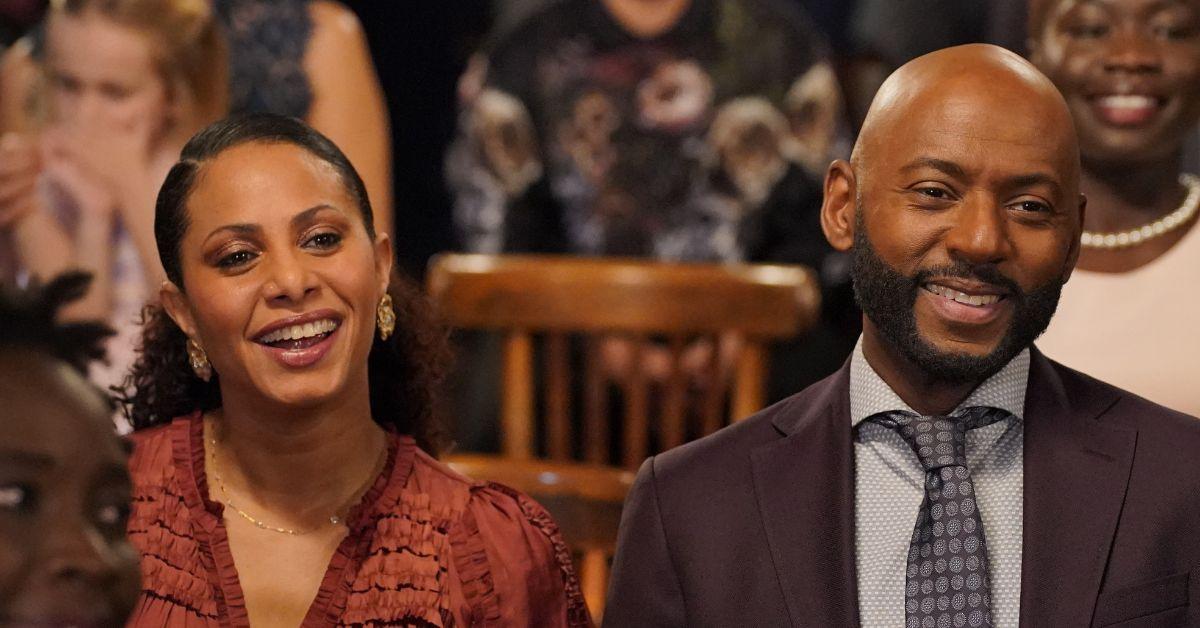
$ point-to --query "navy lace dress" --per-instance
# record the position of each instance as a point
(267, 40)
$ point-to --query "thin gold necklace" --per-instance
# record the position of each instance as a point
(334, 519)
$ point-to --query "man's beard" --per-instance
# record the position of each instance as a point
(888, 298)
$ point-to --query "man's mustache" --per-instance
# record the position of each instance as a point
(986, 273)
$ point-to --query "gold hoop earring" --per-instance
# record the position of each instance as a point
(385, 317)
(199, 360)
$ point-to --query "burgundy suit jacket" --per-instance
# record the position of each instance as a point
(754, 525)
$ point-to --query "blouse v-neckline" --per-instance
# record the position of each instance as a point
(382, 497)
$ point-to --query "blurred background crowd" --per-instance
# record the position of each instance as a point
(429, 61)
(672, 130)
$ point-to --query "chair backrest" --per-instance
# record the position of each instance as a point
(584, 499)
(524, 295)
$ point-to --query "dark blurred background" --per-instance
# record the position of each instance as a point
(421, 49)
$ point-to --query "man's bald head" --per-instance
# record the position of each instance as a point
(953, 83)
(962, 209)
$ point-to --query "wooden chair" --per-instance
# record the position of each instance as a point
(584, 499)
(557, 296)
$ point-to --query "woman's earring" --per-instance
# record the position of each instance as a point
(199, 360)
(385, 317)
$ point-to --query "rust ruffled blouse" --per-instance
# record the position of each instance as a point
(426, 546)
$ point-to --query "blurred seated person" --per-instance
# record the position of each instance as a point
(1130, 72)
(124, 84)
(284, 406)
(674, 129)
(64, 490)
(303, 58)
(680, 130)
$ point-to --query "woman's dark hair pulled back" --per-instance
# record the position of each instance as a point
(405, 372)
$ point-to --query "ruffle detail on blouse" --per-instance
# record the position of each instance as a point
(475, 572)
(160, 527)
(426, 547)
(206, 514)
(577, 612)
(402, 577)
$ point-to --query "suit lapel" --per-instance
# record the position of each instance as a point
(1076, 472)
(804, 484)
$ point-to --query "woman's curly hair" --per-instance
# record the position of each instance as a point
(406, 372)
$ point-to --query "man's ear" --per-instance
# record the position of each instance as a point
(176, 305)
(1076, 243)
(839, 205)
(384, 258)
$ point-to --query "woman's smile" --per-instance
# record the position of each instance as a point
(300, 341)
(1127, 110)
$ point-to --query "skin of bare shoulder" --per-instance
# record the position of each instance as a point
(348, 102)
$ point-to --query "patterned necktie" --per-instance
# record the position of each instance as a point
(947, 581)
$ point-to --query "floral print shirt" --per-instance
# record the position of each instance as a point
(703, 143)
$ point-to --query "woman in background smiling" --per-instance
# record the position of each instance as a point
(1130, 73)
(283, 407)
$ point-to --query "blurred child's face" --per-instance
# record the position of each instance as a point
(64, 501)
(102, 74)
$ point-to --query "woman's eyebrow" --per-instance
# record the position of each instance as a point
(306, 216)
(244, 229)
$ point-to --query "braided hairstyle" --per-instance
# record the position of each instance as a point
(29, 321)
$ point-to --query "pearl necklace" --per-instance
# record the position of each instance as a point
(334, 519)
(1164, 225)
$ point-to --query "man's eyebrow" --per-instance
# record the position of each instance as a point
(1032, 179)
(26, 458)
(947, 167)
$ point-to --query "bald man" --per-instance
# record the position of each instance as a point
(949, 474)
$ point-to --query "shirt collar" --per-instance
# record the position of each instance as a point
(869, 394)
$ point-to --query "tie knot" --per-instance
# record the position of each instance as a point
(939, 441)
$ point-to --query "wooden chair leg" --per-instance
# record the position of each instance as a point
(594, 581)
(558, 397)
(637, 422)
(672, 430)
(517, 412)
(595, 416)
(748, 396)
(712, 409)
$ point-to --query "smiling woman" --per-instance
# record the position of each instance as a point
(284, 405)
(1130, 73)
